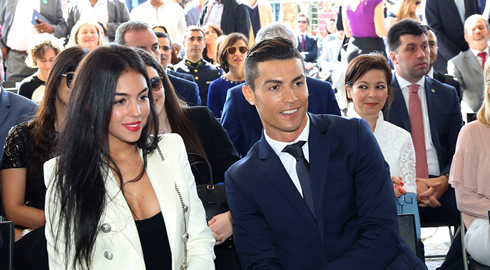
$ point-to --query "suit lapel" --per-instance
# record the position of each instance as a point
(473, 62)
(399, 105)
(433, 107)
(274, 171)
(319, 152)
(4, 105)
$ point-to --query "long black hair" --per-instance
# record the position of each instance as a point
(85, 160)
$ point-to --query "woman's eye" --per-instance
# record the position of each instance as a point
(119, 102)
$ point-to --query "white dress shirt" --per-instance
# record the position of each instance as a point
(287, 160)
(478, 58)
(432, 160)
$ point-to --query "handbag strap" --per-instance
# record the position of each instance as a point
(185, 208)
(203, 161)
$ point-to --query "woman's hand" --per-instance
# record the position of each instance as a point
(398, 186)
(221, 225)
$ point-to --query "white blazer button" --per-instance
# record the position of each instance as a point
(186, 208)
(105, 227)
(108, 255)
(185, 237)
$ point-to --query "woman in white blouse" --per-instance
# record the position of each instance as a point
(368, 85)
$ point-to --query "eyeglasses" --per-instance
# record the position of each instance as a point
(417, 3)
(302, 22)
(156, 83)
(241, 49)
(69, 78)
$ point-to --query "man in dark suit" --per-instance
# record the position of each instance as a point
(307, 45)
(241, 120)
(14, 109)
(315, 191)
(430, 111)
(447, 18)
(140, 34)
(203, 71)
(230, 15)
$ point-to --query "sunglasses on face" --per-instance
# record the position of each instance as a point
(156, 83)
(301, 22)
(241, 49)
(417, 3)
(69, 78)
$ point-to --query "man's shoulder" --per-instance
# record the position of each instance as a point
(17, 102)
(459, 58)
(180, 81)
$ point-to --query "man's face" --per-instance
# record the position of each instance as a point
(331, 27)
(411, 61)
(144, 39)
(194, 45)
(301, 24)
(165, 51)
(281, 98)
(432, 47)
(477, 35)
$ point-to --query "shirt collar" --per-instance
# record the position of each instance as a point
(278, 146)
(404, 83)
(476, 52)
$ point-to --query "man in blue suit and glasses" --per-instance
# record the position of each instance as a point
(315, 191)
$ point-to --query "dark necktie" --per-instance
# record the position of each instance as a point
(303, 48)
(483, 56)
(303, 171)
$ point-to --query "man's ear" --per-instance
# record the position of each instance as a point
(249, 95)
(393, 58)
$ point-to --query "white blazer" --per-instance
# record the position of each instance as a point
(118, 245)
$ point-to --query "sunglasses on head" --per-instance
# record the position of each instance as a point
(156, 83)
(417, 3)
(69, 78)
(232, 50)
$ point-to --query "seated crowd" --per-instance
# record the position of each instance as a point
(316, 135)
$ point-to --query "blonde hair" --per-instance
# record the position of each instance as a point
(38, 47)
(484, 113)
(402, 10)
(74, 32)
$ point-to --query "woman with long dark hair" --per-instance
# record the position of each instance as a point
(119, 195)
(32, 143)
(202, 134)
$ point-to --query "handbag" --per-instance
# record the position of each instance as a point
(213, 196)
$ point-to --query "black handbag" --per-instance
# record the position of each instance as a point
(213, 196)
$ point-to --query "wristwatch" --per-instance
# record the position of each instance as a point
(446, 174)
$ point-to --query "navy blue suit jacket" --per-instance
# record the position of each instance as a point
(184, 76)
(242, 122)
(311, 48)
(444, 117)
(14, 109)
(186, 90)
(356, 224)
(443, 18)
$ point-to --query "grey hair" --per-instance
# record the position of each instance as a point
(130, 25)
(277, 29)
(473, 18)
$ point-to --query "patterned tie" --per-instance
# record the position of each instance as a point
(303, 43)
(418, 135)
(483, 56)
(303, 170)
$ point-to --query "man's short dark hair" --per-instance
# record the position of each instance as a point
(163, 35)
(268, 50)
(130, 25)
(401, 28)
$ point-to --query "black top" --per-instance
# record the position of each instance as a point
(215, 141)
(16, 155)
(154, 242)
(29, 85)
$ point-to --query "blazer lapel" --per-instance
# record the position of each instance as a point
(400, 106)
(319, 152)
(4, 105)
(274, 171)
(119, 215)
(433, 107)
(473, 62)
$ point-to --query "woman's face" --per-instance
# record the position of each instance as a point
(130, 110)
(64, 91)
(210, 36)
(369, 93)
(45, 62)
(157, 87)
(88, 37)
(237, 59)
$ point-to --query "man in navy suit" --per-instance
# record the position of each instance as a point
(331, 206)
(14, 109)
(307, 45)
(139, 34)
(240, 119)
(446, 18)
(440, 117)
